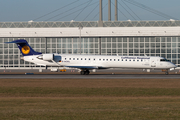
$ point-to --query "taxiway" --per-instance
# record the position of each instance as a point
(91, 76)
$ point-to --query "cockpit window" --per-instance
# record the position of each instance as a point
(164, 60)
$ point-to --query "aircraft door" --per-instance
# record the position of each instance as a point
(153, 63)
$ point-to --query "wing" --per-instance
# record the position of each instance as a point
(87, 67)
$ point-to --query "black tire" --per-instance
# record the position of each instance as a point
(82, 72)
(167, 73)
(87, 72)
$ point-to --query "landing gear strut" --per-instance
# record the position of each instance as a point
(85, 72)
(166, 73)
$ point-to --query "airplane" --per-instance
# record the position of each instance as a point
(89, 62)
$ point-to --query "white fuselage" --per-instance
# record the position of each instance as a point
(101, 61)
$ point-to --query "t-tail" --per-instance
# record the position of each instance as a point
(24, 47)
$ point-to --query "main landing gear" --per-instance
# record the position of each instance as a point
(84, 72)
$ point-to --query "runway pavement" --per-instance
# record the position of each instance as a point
(91, 76)
(101, 74)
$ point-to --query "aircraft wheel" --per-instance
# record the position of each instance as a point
(87, 72)
(167, 73)
(82, 72)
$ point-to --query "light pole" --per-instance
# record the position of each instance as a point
(80, 28)
(116, 12)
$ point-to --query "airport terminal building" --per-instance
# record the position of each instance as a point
(151, 38)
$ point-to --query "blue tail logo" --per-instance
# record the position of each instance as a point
(24, 47)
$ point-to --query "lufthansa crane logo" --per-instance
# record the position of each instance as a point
(25, 49)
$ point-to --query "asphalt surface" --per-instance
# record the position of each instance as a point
(101, 74)
(91, 76)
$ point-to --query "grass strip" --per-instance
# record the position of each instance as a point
(90, 108)
(86, 92)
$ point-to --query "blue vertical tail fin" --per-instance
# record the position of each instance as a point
(24, 47)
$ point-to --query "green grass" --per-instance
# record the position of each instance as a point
(101, 99)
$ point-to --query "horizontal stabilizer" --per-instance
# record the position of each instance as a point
(17, 41)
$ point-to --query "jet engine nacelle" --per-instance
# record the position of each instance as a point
(46, 57)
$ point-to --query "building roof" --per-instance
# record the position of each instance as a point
(32, 24)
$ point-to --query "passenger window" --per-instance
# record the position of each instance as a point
(89, 59)
(110, 59)
(94, 59)
(129, 60)
(77, 58)
(65, 58)
(81, 59)
(118, 59)
(69, 58)
(106, 59)
(126, 60)
(99, 59)
(103, 59)
(133, 60)
(85, 59)
(73, 58)
(114, 59)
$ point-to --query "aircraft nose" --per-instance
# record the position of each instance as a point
(173, 65)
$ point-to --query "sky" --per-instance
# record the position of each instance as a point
(86, 10)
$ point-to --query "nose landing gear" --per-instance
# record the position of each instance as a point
(167, 73)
